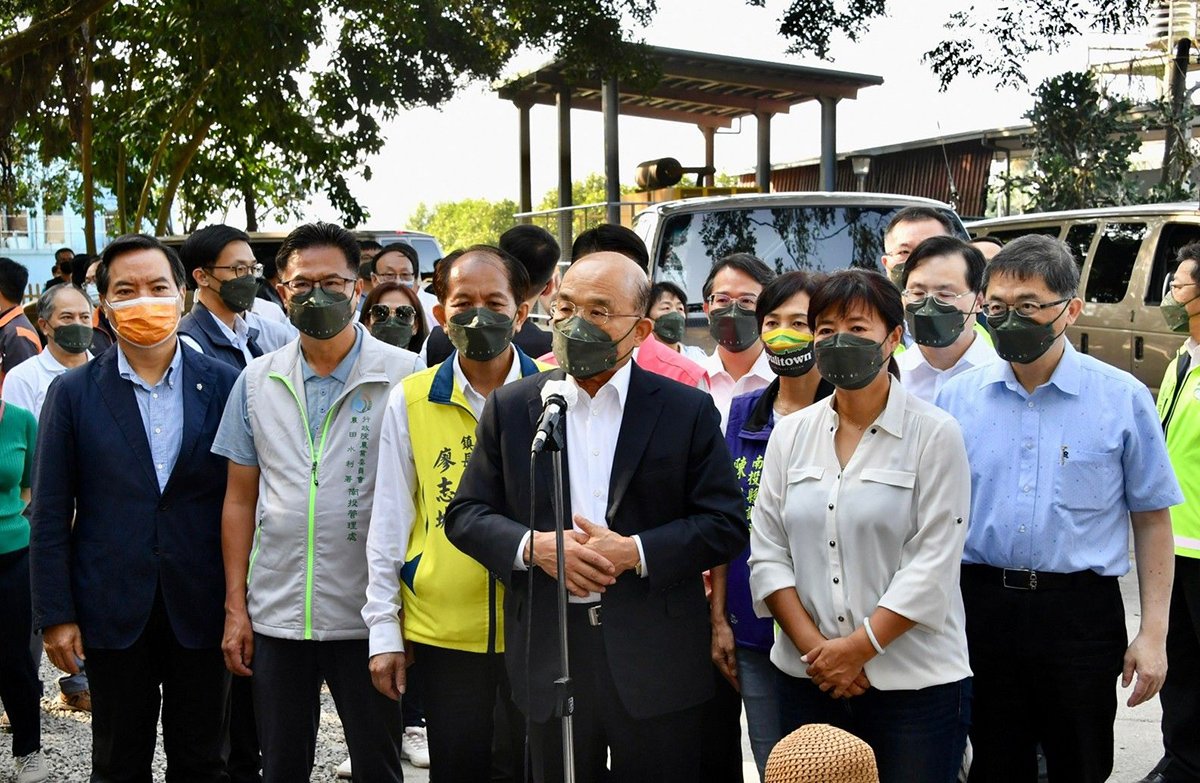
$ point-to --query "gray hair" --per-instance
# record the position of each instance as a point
(45, 302)
(1036, 256)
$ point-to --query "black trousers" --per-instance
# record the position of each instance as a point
(287, 707)
(1180, 694)
(662, 749)
(243, 759)
(1045, 664)
(460, 691)
(126, 698)
(20, 689)
(721, 753)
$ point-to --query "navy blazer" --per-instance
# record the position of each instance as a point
(201, 326)
(103, 538)
(672, 484)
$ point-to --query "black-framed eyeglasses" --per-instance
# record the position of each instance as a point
(330, 285)
(241, 270)
(561, 310)
(1028, 308)
(404, 313)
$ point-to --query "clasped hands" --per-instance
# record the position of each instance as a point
(594, 556)
(836, 665)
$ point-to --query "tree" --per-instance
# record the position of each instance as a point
(589, 190)
(1083, 139)
(459, 224)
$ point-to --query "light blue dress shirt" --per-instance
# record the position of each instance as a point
(235, 438)
(1055, 473)
(161, 407)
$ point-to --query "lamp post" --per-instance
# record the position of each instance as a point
(862, 167)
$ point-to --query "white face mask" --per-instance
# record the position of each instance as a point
(93, 294)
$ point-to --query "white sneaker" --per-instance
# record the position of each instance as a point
(415, 747)
(32, 768)
(343, 770)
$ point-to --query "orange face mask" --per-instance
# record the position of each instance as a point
(148, 321)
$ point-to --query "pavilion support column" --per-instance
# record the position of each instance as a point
(763, 170)
(526, 203)
(610, 107)
(828, 142)
(710, 137)
(563, 104)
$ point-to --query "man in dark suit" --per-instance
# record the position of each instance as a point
(125, 545)
(654, 504)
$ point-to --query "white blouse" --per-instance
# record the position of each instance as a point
(888, 531)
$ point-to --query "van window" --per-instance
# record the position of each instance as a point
(1009, 234)
(812, 238)
(1172, 238)
(1112, 263)
(1079, 239)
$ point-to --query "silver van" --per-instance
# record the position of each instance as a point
(1125, 256)
(819, 232)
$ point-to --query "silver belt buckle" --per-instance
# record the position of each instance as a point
(594, 615)
(1030, 579)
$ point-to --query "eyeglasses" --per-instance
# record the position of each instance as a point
(241, 270)
(747, 302)
(1180, 286)
(392, 277)
(994, 309)
(330, 285)
(404, 313)
(561, 310)
(948, 298)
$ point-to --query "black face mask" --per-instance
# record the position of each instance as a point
(480, 334)
(1021, 339)
(670, 327)
(238, 294)
(73, 338)
(934, 324)
(848, 361)
(319, 314)
(733, 327)
(584, 349)
(393, 331)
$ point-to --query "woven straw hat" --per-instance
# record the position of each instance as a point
(820, 753)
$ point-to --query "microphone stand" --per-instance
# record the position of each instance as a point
(563, 689)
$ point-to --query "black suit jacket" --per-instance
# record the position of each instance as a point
(672, 484)
(103, 537)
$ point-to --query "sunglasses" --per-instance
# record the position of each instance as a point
(404, 313)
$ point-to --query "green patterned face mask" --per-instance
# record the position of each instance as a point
(480, 334)
(734, 327)
(584, 349)
(670, 327)
(319, 314)
(848, 361)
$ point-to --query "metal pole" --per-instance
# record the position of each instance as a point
(563, 104)
(610, 107)
(567, 702)
(763, 173)
(526, 160)
(828, 142)
(1175, 131)
(710, 137)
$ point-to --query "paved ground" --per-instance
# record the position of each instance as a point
(67, 735)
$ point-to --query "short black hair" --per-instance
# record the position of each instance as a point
(404, 249)
(518, 278)
(13, 279)
(846, 289)
(947, 246)
(783, 288)
(743, 262)
(129, 243)
(318, 234)
(917, 214)
(661, 288)
(79, 267)
(369, 244)
(536, 248)
(991, 240)
(60, 251)
(1037, 256)
(612, 238)
(1189, 252)
(201, 249)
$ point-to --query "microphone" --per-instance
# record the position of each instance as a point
(557, 396)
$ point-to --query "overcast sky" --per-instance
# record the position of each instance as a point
(468, 147)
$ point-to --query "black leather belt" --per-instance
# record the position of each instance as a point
(1029, 580)
(590, 612)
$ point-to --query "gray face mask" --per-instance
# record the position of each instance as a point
(73, 338)
(480, 334)
(584, 349)
(320, 315)
(848, 361)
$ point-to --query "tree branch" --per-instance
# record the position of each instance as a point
(51, 28)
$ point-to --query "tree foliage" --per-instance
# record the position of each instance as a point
(471, 221)
(1083, 140)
